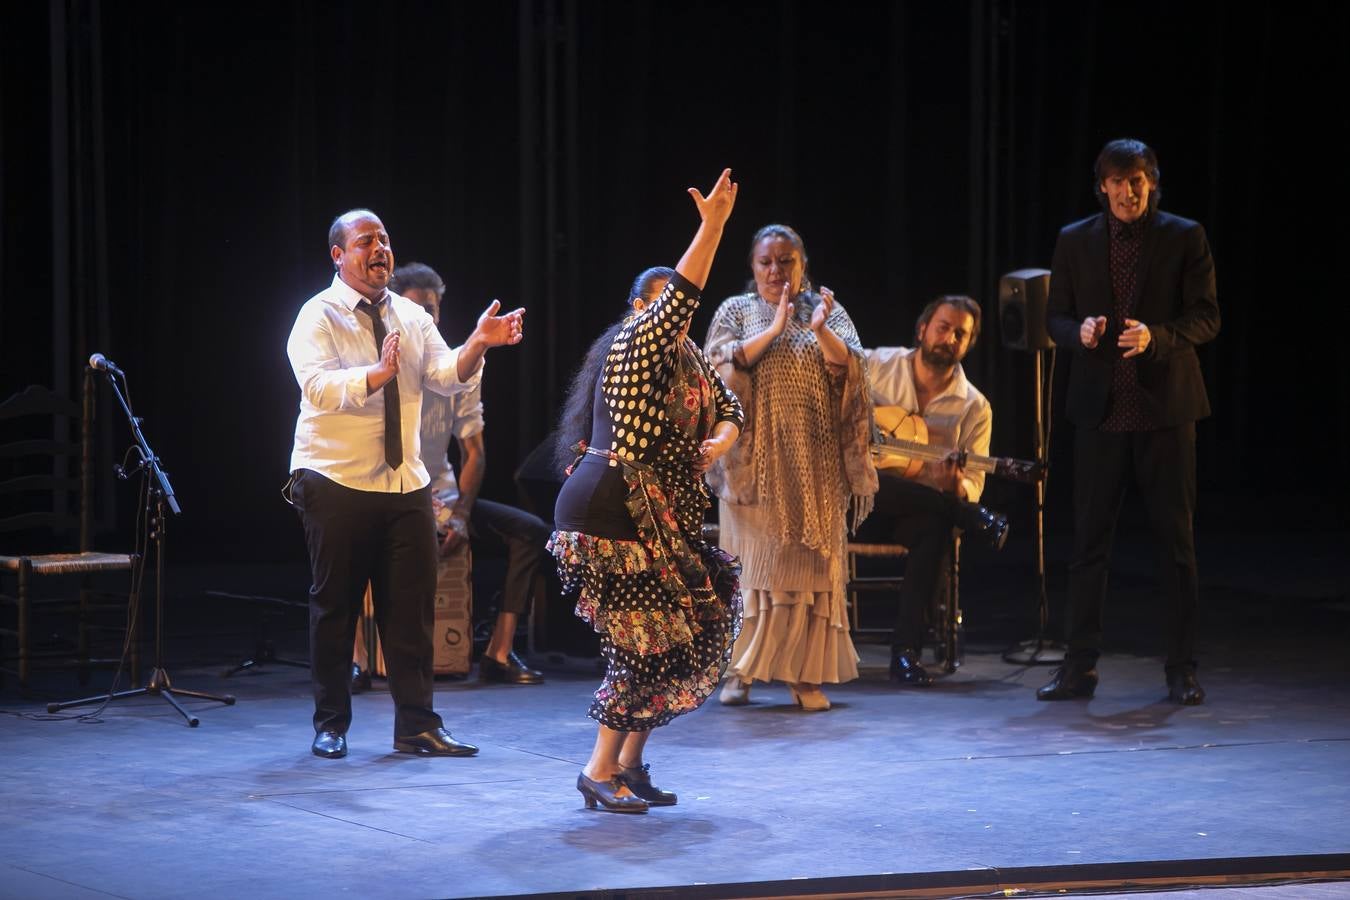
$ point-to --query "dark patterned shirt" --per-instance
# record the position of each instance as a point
(1127, 407)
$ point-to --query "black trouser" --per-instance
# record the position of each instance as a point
(1162, 464)
(388, 540)
(922, 519)
(524, 536)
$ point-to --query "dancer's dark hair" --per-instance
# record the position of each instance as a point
(574, 423)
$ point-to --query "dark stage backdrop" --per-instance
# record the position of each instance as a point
(170, 169)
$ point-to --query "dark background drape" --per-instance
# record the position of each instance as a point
(168, 172)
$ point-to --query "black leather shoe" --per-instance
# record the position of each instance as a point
(436, 742)
(360, 679)
(1070, 682)
(639, 781)
(614, 795)
(329, 745)
(905, 669)
(984, 525)
(1183, 688)
(513, 671)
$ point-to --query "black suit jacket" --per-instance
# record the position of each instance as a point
(1177, 301)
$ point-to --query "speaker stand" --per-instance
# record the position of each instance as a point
(1039, 650)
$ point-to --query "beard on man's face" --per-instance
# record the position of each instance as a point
(939, 356)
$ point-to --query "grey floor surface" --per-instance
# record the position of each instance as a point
(971, 775)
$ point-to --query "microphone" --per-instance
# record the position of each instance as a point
(103, 364)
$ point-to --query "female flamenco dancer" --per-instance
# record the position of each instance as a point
(794, 357)
(629, 543)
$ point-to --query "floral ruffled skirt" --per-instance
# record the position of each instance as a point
(664, 653)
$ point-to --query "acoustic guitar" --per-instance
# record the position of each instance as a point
(900, 441)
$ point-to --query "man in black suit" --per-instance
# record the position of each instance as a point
(1132, 294)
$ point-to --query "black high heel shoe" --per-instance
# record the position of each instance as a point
(639, 781)
(614, 795)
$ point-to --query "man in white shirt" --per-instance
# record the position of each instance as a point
(463, 515)
(362, 357)
(928, 381)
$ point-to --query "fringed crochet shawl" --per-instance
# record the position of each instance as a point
(804, 449)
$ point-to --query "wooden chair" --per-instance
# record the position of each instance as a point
(46, 476)
(946, 631)
(887, 584)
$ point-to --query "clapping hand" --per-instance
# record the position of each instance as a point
(385, 369)
(716, 207)
(1091, 330)
(783, 310)
(389, 352)
(1135, 339)
(821, 314)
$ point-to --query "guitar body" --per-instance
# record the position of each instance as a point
(894, 422)
(900, 442)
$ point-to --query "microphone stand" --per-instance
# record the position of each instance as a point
(159, 493)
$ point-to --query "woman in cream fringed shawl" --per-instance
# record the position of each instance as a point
(798, 474)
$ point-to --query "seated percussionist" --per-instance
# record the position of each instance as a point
(461, 515)
(920, 511)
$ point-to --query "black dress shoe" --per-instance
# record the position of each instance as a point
(436, 742)
(329, 745)
(984, 525)
(513, 671)
(360, 679)
(1183, 688)
(614, 795)
(905, 669)
(639, 781)
(1070, 682)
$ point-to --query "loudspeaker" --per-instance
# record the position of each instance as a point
(1021, 309)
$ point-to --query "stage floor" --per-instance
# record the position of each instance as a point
(973, 776)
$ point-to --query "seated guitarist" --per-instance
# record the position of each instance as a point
(921, 511)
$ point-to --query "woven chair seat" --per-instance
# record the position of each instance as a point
(51, 479)
(65, 563)
(895, 550)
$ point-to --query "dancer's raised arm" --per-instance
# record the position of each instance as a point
(714, 211)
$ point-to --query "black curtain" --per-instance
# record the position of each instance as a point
(168, 172)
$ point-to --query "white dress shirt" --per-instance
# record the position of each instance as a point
(340, 430)
(443, 418)
(959, 418)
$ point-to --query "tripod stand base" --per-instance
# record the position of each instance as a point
(158, 685)
(1038, 651)
(265, 652)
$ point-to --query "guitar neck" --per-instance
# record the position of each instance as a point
(901, 447)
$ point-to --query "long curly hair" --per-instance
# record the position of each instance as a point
(574, 422)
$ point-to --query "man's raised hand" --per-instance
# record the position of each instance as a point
(498, 331)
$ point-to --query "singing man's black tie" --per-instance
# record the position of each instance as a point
(393, 422)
